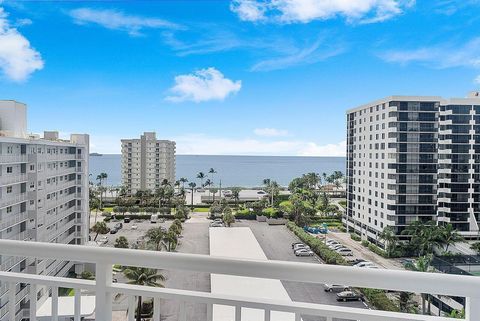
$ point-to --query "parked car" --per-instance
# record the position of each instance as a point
(217, 224)
(303, 252)
(336, 246)
(293, 244)
(134, 227)
(344, 252)
(153, 218)
(300, 246)
(126, 219)
(348, 296)
(118, 226)
(331, 242)
(364, 264)
(335, 288)
(103, 239)
(355, 261)
(113, 231)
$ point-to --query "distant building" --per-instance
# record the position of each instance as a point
(146, 162)
(413, 158)
(43, 196)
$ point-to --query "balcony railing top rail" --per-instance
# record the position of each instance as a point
(435, 283)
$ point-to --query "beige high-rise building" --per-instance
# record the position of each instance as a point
(146, 162)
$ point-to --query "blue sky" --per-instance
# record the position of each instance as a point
(270, 77)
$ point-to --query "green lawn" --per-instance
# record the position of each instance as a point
(201, 209)
(108, 209)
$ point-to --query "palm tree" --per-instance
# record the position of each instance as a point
(449, 236)
(236, 195)
(155, 236)
(422, 264)
(183, 180)
(100, 177)
(212, 171)
(100, 228)
(388, 235)
(476, 247)
(192, 187)
(145, 277)
(171, 239)
(201, 176)
(121, 242)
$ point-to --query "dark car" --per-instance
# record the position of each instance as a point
(355, 261)
(126, 220)
(118, 226)
(348, 296)
(113, 231)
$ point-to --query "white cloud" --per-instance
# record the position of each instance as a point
(117, 20)
(203, 85)
(302, 56)
(439, 56)
(477, 80)
(248, 10)
(200, 144)
(304, 11)
(313, 149)
(270, 132)
(17, 57)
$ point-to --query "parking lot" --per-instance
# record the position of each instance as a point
(275, 241)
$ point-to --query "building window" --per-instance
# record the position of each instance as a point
(9, 189)
(9, 169)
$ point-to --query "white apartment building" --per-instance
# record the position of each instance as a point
(413, 158)
(146, 162)
(43, 197)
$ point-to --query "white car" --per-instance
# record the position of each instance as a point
(335, 288)
(217, 224)
(134, 227)
(103, 240)
(303, 252)
(300, 246)
(336, 246)
(331, 242)
(344, 252)
(365, 264)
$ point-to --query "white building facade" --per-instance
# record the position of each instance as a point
(413, 158)
(147, 162)
(43, 196)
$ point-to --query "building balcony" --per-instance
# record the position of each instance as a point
(11, 159)
(240, 306)
(12, 200)
(14, 219)
(9, 179)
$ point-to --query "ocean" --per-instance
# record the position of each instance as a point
(245, 171)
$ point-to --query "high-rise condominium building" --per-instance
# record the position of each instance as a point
(43, 196)
(146, 162)
(413, 158)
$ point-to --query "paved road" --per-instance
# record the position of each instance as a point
(276, 243)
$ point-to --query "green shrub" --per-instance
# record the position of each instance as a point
(365, 243)
(317, 246)
(355, 237)
(245, 214)
(375, 249)
(271, 212)
(379, 299)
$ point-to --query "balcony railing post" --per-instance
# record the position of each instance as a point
(472, 309)
(33, 302)
(156, 309)
(54, 303)
(12, 288)
(103, 296)
(77, 310)
(131, 308)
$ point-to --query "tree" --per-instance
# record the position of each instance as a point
(201, 176)
(476, 247)
(183, 180)
(121, 242)
(236, 195)
(449, 236)
(422, 264)
(424, 236)
(406, 302)
(171, 238)
(182, 212)
(155, 237)
(192, 187)
(388, 235)
(145, 277)
(228, 217)
(100, 178)
(100, 228)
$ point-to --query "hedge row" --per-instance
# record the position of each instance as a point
(138, 217)
(376, 297)
(245, 215)
(379, 299)
(355, 237)
(317, 246)
(375, 249)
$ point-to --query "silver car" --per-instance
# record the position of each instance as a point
(335, 288)
(303, 252)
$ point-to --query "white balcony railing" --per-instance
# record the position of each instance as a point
(5, 159)
(104, 258)
(8, 179)
(14, 199)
